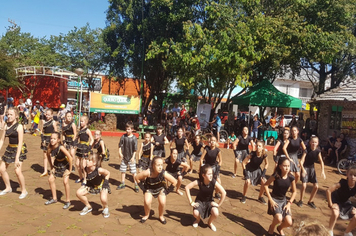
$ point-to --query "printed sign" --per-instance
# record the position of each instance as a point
(114, 104)
(348, 123)
(74, 85)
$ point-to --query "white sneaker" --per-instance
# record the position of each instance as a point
(348, 234)
(106, 213)
(85, 211)
(23, 195)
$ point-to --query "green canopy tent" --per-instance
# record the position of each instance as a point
(266, 95)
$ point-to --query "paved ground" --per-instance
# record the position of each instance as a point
(31, 217)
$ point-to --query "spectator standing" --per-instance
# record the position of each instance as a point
(313, 125)
(255, 125)
(273, 122)
(282, 124)
(216, 122)
(300, 122)
(293, 121)
(176, 108)
(10, 101)
(191, 112)
(182, 115)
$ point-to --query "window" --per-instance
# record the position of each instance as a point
(335, 118)
(305, 92)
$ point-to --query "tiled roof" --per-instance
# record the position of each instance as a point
(346, 91)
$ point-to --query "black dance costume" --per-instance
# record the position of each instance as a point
(61, 163)
(211, 159)
(48, 129)
(156, 185)
(341, 197)
(292, 149)
(173, 168)
(280, 188)
(159, 150)
(99, 149)
(205, 198)
(310, 159)
(11, 150)
(280, 151)
(242, 151)
(68, 133)
(83, 148)
(145, 159)
(180, 142)
(196, 153)
(253, 170)
(96, 182)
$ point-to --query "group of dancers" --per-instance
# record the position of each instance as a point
(60, 149)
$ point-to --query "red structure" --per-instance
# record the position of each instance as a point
(46, 89)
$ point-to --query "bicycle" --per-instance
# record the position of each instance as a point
(207, 133)
(344, 164)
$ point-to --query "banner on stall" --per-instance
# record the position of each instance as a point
(120, 104)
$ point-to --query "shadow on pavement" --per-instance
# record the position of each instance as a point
(254, 227)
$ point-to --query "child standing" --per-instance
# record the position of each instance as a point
(49, 126)
(102, 150)
(97, 181)
(278, 206)
(127, 153)
(196, 153)
(85, 142)
(15, 152)
(159, 140)
(62, 167)
(146, 153)
(173, 168)
(308, 174)
(253, 173)
(338, 201)
(69, 132)
(204, 205)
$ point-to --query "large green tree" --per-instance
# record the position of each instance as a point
(134, 25)
(83, 48)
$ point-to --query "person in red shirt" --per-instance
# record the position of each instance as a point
(196, 124)
(182, 115)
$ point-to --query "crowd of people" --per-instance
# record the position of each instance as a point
(70, 149)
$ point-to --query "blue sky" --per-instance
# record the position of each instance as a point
(43, 18)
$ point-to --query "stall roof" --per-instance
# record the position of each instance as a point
(346, 91)
(265, 94)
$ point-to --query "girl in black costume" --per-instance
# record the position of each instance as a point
(61, 167)
(278, 206)
(212, 156)
(181, 144)
(146, 153)
(15, 152)
(204, 205)
(97, 181)
(252, 171)
(174, 167)
(85, 142)
(290, 149)
(49, 126)
(154, 185)
(159, 140)
(99, 145)
(69, 132)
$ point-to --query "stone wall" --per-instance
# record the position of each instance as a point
(109, 125)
